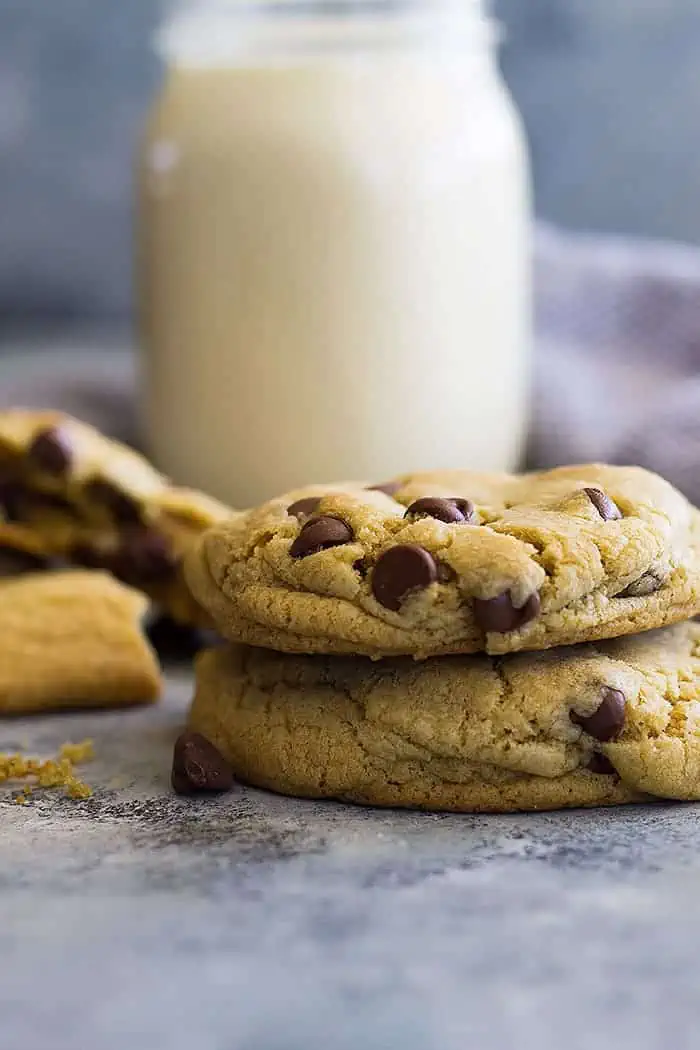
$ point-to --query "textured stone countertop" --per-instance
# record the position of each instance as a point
(138, 919)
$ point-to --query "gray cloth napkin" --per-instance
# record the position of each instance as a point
(617, 360)
(617, 363)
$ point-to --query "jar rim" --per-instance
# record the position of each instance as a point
(219, 32)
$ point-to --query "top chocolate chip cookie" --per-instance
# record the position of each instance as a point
(454, 562)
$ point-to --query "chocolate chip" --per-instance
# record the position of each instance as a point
(89, 557)
(50, 501)
(17, 563)
(143, 557)
(198, 766)
(304, 508)
(399, 572)
(451, 511)
(51, 451)
(608, 720)
(361, 568)
(389, 488)
(601, 765)
(648, 583)
(500, 615)
(11, 501)
(446, 573)
(608, 510)
(177, 641)
(319, 534)
(123, 507)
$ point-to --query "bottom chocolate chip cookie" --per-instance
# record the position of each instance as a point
(591, 725)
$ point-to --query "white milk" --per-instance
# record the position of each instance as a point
(334, 252)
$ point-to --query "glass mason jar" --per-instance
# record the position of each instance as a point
(334, 246)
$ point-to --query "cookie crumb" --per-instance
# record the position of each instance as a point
(78, 753)
(78, 789)
(58, 772)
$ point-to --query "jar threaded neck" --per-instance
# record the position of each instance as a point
(213, 32)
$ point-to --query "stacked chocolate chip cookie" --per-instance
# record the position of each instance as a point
(429, 642)
(449, 640)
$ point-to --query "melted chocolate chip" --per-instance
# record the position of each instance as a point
(50, 501)
(199, 767)
(17, 563)
(608, 510)
(319, 534)
(90, 557)
(11, 501)
(499, 615)
(608, 720)
(123, 507)
(51, 451)
(304, 508)
(143, 557)
(399, 572)
(451, 511)
(389, 488)
(601, 765)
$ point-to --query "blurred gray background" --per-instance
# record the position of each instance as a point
(609, 89)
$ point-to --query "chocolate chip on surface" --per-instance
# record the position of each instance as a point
(608, 720)
(601, 765)
(499, 615)
(51, 451)
(319, 534)
(451, 511)
(400, 571)
(143, 557)
(389, 488)
(607, 508)
(304, 508)
(123, 507)
(199, 767)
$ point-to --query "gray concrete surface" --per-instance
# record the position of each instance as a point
(138, 919)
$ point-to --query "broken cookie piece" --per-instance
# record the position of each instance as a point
(67, 491)
(73, 639)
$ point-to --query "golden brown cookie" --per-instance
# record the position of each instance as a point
(73, 639)
(591, 725)
(67, 491)
(443, 563)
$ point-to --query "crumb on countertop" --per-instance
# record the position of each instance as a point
(57, 772)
